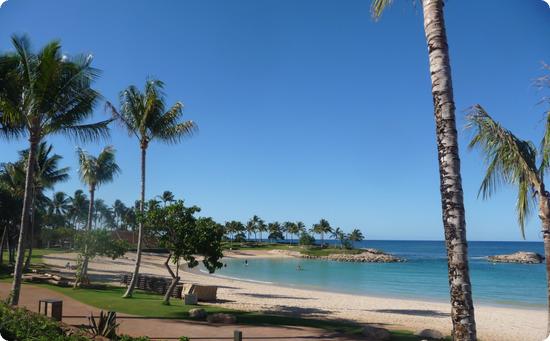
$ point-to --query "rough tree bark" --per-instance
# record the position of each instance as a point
(31, 231)
(133, 282)
(454, 222)
(544, 215)
(25, 219)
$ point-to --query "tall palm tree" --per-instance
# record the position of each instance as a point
(46, 174)
(454, 220)
(517, 162)
(356, 236)
(78, 207)
(339, 235)
(144, 115)
(321, 228)
(166, 197)
(60, 204)
(94, 172)
(256, 221)
(42, 94)
(250, 228)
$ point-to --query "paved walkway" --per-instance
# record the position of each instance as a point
(75, 313)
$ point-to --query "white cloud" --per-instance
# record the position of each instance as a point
(2, 2)
(547, 2)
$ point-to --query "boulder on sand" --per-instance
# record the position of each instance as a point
(518, 257)
(375, 333)
(430, 334)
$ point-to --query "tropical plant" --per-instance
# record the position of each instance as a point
(232, 228)
(105, 325)
(511, 160)
(454, 220)
(339, 235)
(144, 115)
(321, 228)
(78, 211)
(42, 94)
(306, 239)
(261, 226)
(94, 172)
(250, 228)
(356, 236)
(166, 197)
(275, 231)
(46, 174)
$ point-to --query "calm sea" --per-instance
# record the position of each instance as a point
(424, 275)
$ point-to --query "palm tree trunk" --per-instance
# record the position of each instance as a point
(18, 270)
(31, 232)
(454, 222)
(133, 282)
(544, 214)
(83, 277)
(2, 243)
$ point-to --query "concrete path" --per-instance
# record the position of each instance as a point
(75, 313)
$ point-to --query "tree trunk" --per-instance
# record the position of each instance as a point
(454, 222)
(175, 280)
(83, 277)
(29, 179)
(2, 243)
(544, 214)
(31, 232)
(135, 275)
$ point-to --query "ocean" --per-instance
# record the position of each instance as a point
(422, 276)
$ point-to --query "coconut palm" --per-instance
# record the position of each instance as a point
(166, 197)
(46, 174)
(94, 172)
(339, 235)
(250, 228)
(144, 115)
(60, 204)
(79, 204)
(256, 221)
(322, 228)
(516, 162)
(41, 94)
(454, 221)
(356, 236)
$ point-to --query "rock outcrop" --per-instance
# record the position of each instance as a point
(366, 256)
(430, 334)
(518, 257)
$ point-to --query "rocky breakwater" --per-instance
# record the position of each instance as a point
(365, 256)
(518, 257)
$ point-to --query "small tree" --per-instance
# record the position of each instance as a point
(356, 236)
(93, 243)
(185, 237)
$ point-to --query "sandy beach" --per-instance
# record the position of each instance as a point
(493, 323)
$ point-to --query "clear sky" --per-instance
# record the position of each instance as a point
(307, 109)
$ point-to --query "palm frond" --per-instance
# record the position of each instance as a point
(545, 147)
(510, 160)
(86, 132)
(378, 6)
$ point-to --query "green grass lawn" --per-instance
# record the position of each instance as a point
(150, 305)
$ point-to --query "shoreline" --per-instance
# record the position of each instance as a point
(493, 323)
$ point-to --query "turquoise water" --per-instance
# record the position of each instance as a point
(424, 275)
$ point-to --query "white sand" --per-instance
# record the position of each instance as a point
(493, 323)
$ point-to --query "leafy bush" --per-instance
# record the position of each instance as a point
(131, 338)
(307, 239)
(21, 324)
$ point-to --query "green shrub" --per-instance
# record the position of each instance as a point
(21, 324)
(131, 338)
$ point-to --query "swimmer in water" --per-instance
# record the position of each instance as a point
(299, 268)
(246, 262)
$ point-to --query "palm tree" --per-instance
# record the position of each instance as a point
(339, 234)
(262, 227)
(166, 197)
(454, 220)
(356, 236)
(46, 174)
(250, 228)
(78, 206)
(42, 94)
(256, 221)
(517, 162)
(321, 229)
(144, 115)
(60, 204)
(94, 172)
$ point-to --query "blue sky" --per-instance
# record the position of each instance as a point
(306, 109)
